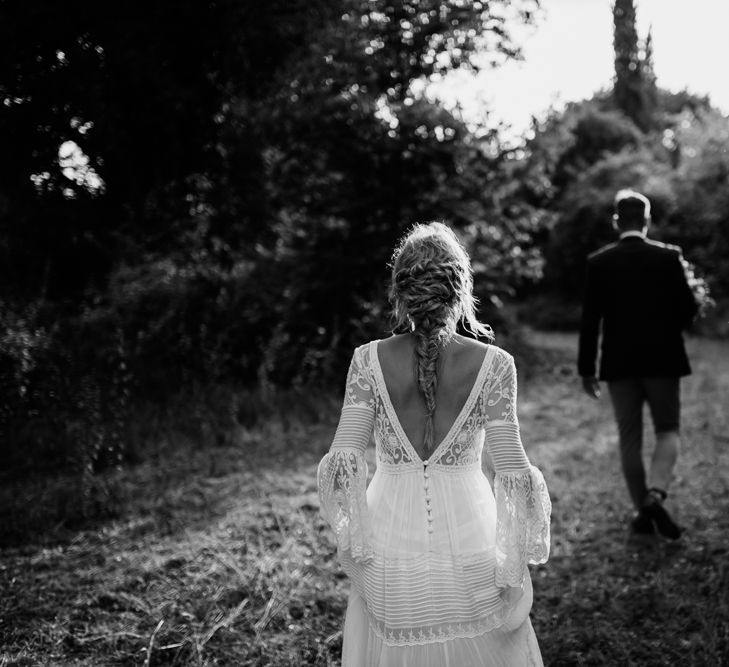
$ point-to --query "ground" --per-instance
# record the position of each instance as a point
(217, 555)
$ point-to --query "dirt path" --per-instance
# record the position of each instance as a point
(217, 560)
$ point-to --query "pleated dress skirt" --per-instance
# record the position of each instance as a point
(514, 644)
(429, 598)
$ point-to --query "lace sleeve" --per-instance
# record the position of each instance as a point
(342, 473)
(523, 507)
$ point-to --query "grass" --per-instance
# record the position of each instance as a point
(601, 599)
(215, 554)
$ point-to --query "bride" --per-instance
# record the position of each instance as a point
(437, 546)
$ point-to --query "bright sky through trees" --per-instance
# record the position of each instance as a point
(569, 55)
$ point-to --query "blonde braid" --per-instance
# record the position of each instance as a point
(431, 290)
(427, 353)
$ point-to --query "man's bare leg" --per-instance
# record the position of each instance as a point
(664, 459)
(659, 478)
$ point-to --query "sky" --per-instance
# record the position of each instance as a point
(690, 51)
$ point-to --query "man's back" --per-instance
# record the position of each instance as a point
(638, 290)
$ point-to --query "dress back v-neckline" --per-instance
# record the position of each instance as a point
(395, 419)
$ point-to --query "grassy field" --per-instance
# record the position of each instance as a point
(217, 556)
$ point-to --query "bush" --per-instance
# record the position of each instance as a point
(65, 388)
(586, 209)
(551, 312)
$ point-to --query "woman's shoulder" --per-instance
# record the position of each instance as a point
(478, 348)
(501, 353)
(475, 352)
(394, 340)
(364, 353)
(471, 343)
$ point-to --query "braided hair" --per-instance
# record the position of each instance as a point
(430, 292)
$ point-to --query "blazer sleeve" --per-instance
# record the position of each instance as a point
(589, 324)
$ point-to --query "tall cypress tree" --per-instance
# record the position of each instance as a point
(649, 76)
(632, 91)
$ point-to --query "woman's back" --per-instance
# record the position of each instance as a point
(458, 367)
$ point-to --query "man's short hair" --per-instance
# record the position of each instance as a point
(631, 208)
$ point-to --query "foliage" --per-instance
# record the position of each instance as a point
(671, 146)
(355, 157)
(578, 158)
(587, 207)
(182, 199)
(635, 90)
(596, 134)
(209, 192)
(66, 390)
(701, 218)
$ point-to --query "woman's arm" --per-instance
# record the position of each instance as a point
(523, 507)
(342, 473)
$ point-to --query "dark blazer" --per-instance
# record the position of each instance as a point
(637, 289)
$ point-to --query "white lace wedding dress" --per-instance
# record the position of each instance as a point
(437, 560)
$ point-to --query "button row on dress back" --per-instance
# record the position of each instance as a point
(426, 476)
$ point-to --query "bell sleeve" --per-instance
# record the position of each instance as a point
(342, 473)
(523, 507)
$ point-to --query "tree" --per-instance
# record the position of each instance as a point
(262, 158)
(355, 156)
(634, 89)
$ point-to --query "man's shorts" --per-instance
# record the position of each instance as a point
(663, 396)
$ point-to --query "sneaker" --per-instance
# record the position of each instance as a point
(653, 509)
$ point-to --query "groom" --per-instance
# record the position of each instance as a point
(637, 290)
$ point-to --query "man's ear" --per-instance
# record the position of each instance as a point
(615, 222)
